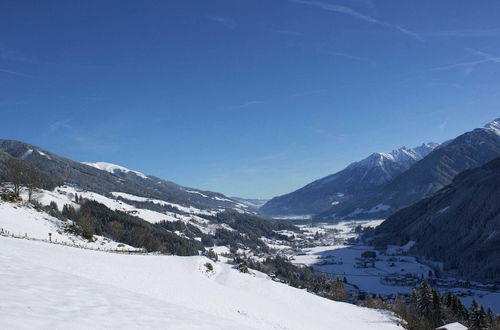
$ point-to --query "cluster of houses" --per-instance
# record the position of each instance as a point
(329, 260)
(407, 279)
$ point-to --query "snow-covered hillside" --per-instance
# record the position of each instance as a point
(189, 196)
(24, 221)
(51, 286)
(113, 168)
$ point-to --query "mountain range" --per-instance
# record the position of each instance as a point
(105, 178)
(352, 182)
(382, 183)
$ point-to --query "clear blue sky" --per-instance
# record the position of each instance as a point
(252, 98)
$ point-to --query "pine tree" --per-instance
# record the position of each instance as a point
(458, 309)
(425, 300)
(477, 316)
(437, 313)
(490, 317)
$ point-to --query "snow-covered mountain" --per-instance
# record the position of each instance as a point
(493, 127)
(428, 175)
(105, 178)
(357, 178)
(114, 169)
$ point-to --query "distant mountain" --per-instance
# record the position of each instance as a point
(458, 225)
(355, 180)
(105, 178)
(425, 177)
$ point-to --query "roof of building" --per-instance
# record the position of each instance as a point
(452, 326)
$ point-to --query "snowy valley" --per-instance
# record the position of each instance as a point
(109, 241)
(106, 284)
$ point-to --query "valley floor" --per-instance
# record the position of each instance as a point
(52, 286)
(389, 275)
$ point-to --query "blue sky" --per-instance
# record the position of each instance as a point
(253, 98)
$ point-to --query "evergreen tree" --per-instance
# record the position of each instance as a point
(477, 316)
(425, 300)
(437, 313)
(490, 318)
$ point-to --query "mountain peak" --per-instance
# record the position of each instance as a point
(401, 155)
(494, 126)
(426, 148)
(113, 168)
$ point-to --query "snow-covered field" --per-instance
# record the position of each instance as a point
(48, 286)
(367, 279)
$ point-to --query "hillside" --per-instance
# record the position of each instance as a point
(47, 286)
(355, 180)
(433, 172)
(104, 178)
(458, 225)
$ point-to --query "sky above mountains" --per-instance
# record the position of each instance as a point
(253, 98)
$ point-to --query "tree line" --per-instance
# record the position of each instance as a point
(428, 309)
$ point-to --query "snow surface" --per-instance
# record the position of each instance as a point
(43, 154)
(196, 193)
(453, 326)
(24, 221)
(187, 209)
(112, 168)
(27, 153)
(113, 204)
(47, 286)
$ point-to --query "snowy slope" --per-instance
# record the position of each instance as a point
(51, 286)
(494, 126)
(210, 200)
(185, 209)
(24, 221)
(112, 168)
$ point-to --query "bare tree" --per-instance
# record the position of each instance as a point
(32, 180)
(15, 174)
(23, 174)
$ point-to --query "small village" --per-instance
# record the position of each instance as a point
(335, 251)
